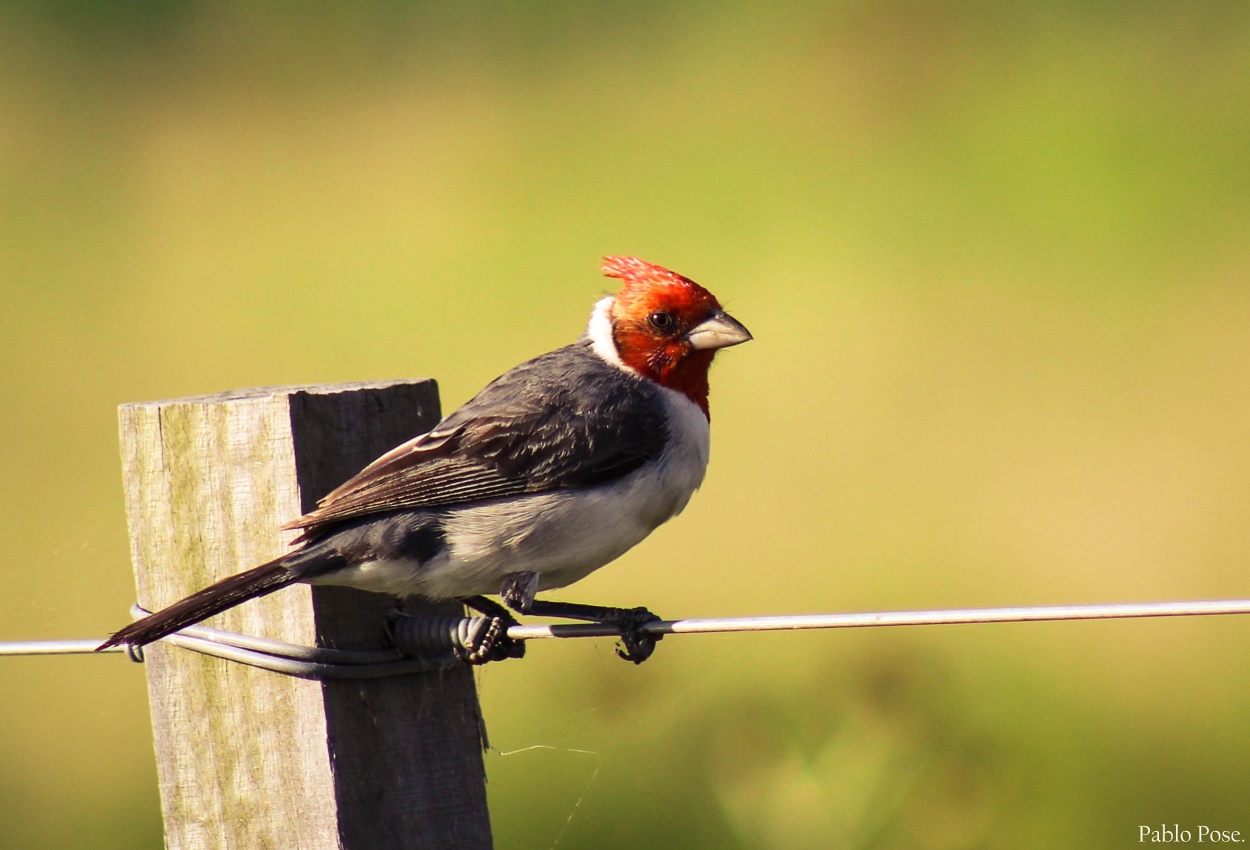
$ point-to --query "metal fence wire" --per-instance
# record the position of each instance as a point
(320, 662)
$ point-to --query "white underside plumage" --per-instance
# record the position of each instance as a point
(562, 536)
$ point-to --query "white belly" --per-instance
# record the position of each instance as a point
(563, 536)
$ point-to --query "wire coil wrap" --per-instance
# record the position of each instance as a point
(426, 636)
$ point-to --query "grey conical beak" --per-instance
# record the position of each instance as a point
(720, 330)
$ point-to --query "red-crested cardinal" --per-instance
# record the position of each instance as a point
(551, 471)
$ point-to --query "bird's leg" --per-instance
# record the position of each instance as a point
(492, 644)
(518, 592)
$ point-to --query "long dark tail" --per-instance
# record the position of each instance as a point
(203, 604)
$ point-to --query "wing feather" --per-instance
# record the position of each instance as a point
(566, 419)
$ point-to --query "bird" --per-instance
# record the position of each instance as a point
(554, 469)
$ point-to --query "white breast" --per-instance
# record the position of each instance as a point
(562, 536)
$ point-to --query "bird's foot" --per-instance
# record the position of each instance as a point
(636, 645)
(487, 640)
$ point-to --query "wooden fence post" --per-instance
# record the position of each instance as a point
(249, 758)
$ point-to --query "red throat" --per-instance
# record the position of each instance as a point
(689, 377)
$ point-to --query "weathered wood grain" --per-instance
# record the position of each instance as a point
(253, 759)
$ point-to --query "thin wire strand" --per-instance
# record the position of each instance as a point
(55, 647)
(956, 616)
(797, 622)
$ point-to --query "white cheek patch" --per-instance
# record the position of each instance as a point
(600, 333)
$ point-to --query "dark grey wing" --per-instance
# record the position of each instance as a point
(563, 420)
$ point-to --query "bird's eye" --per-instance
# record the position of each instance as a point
(661, 321)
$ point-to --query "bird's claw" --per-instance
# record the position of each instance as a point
(636, 645)
(487, 640)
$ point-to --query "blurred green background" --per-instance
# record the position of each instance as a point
(996, 257)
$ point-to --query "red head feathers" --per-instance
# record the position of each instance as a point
(666, 327)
